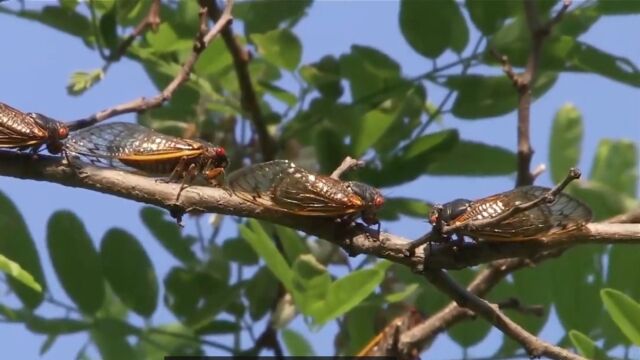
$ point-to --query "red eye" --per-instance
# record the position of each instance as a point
(63, 132)
(220, 151)
(379, 201)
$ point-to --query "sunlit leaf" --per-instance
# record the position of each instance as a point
(296, 344)
(12, 268)
(566, 139)
(82, 81)
(281, 47)
(616, 165)
(624, 311)
(586, 346)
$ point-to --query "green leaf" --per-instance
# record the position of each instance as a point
(82, 81)
(324, 75)
(281, 47)
(586, 346)
(592, 59)
(69, 5)
(369, 130)
(219, 327)
(330, 148)
(12, 268)
(168, 234)
(489, 16)
(296, 344)
(165, 40)
(577, 305)
(349, 291)
(616, 165)
(402, 295)
(411, 162)
(47, 344)
(16, 244)
(603, 200)
(396, 206)
(195, 297)
(624, 311)
(292, 243)
(75, 261)
(566, 139)
(110, 337)
(108, 29)
(369, 71)
(279, 93)
(311, 283)
(254, 233)
(431, 27)
(261, 16)
(175, 339)
(55, 326)
(129, 271)
(238, 250)
(618, 7)
(482, 96)
(260, 293)
(60, 18)
(469, 158)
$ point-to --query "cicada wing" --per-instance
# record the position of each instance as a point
(120, 139)
(564, 214)
(304, 193)
(19, 129)
(255, 183)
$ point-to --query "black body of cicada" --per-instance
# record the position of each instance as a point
(121, 144)
(30, 131)
(563, 214)
(284, 186)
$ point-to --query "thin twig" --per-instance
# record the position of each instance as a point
(534, 346)
(465, 68)
(347, 164)
(249, 100)
(152, 20)
(143, 104)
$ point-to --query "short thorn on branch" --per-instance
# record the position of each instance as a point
(347, 164)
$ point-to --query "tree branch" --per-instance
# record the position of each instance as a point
(534, 346)
(249, 100)
(142, 104)
(358, 237)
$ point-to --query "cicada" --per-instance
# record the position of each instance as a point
(134, 146)
(563, 214)
(30, 131)
(282, 185)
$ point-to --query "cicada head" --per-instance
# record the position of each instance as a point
(448, 212)
(56, 131)
(218, 157)
(372, 201)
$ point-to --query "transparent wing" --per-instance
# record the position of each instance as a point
(255, 183)
(564, 214)
(119, 139)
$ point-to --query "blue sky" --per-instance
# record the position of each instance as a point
(37, 63)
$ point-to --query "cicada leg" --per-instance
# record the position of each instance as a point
(188, 176)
